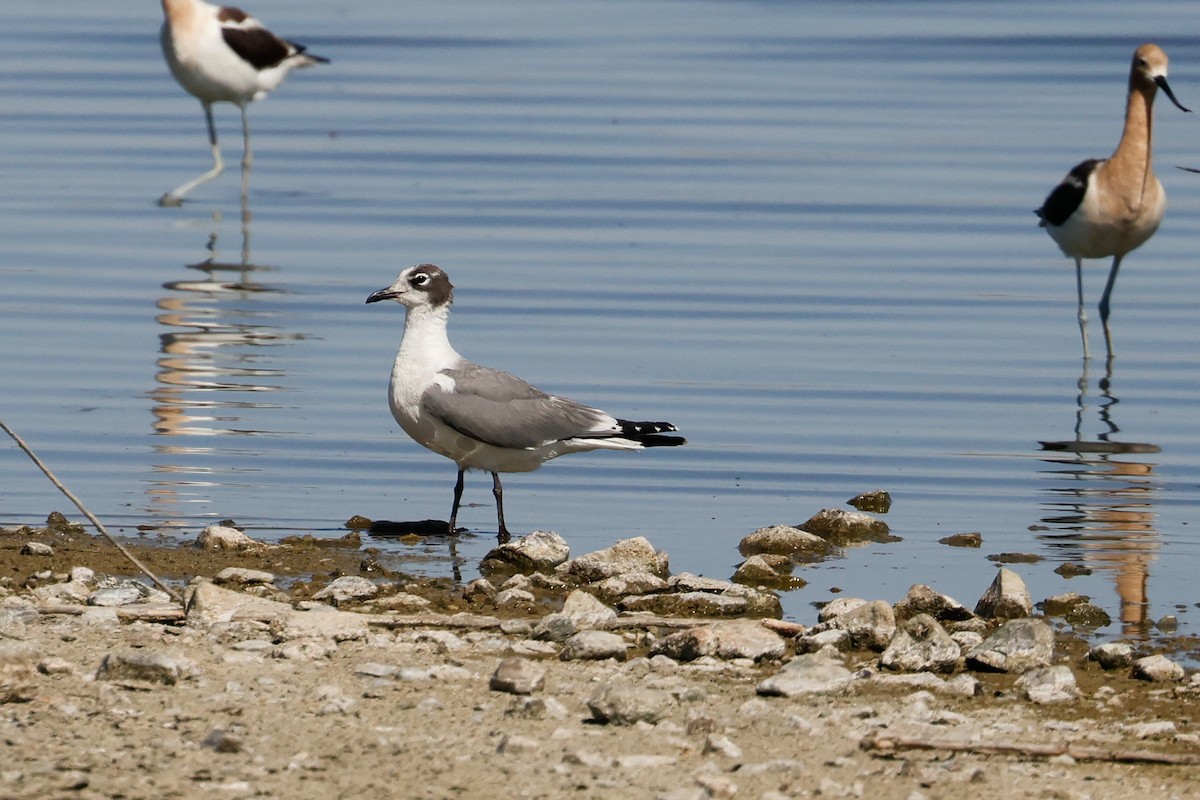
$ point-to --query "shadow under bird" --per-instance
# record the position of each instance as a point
(1111, 206)
(482, 418)
(221, 54)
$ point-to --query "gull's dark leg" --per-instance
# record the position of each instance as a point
(458, 490)
(502, 535)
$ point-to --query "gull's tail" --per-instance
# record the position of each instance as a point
(650, 434)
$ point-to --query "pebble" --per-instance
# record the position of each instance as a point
(721, 745)
(594, 646)
(630, 583)
(921, 645)
(621, 704)
(36, 549)
(221, 537)
(81, 575)
(1157, 668)
(243, 577)
(514, 599)
(870, 625)
(687, 604)
(738, 638)
(147, 667)
(116, 596)
(518, 676)
(1017, 646)
(1053, 684)
(922, 599)
(821, 672)
(540, 551)
(1113, 655)
(1147, 730)
(346, 589)
(626, 556)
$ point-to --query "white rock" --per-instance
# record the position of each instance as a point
(1157, 668)
(219, 537)
(1006, 598)
(1054, 684)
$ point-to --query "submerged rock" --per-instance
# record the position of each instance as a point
(1060, 604)
(877, 502)
(973, 539)
(768, 569)
(844, 527)
(1072, 570)
(1088, 615)
(785, 540)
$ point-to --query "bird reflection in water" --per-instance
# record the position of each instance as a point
(1101, 507)
(215, 368)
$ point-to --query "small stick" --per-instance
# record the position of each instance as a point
(133, 559)
(881, 743)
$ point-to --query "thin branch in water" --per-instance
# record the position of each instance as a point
(125, 552)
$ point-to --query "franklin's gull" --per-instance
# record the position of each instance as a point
(481, 418)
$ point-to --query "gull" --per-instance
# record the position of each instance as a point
(482, 418)
(1111, 206)
(222, 54)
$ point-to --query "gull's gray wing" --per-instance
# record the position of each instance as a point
(505, 411)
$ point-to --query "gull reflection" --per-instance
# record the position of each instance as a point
(217, 364)
(1101, 505)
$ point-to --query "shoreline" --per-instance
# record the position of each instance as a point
(286, 684)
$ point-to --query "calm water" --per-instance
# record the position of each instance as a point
(801, 233)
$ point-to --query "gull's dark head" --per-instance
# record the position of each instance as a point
(422, 285)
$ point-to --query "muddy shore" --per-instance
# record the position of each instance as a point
(397, 695)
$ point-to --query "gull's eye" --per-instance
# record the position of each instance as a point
(420, 279)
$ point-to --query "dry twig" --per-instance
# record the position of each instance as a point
(882, 744)
(125, 552)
